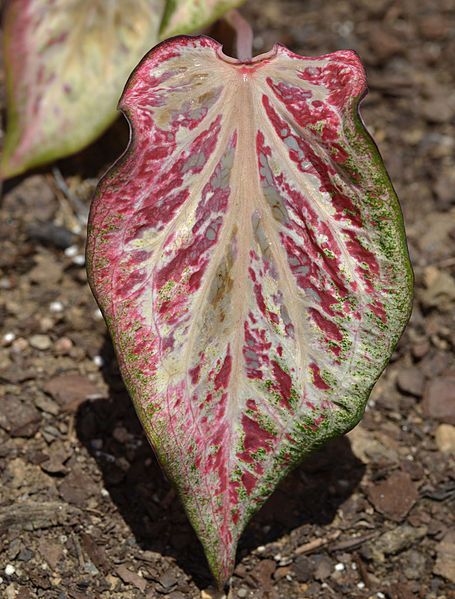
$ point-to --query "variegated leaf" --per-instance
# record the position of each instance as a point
(67, 62)
(249, 257)
(184, 16)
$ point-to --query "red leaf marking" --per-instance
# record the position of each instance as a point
(284, 382)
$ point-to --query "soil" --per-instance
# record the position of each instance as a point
(85, 511)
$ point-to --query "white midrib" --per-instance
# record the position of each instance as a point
(247, 195)
(240, 119)
(245, 188)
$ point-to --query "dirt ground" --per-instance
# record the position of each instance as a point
(84, 509)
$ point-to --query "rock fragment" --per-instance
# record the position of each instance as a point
(393, 542)
(439, 399)
(445, 438)
(70, 390)
(19, 418)
(411, 381)
(445, 561)
(395, 496)
(132, 578)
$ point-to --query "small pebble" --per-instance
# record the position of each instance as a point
(19, 345)
(56, 307)
(71, 251)
(285, 561)
(14, 548)
(25, 555)
(98, 361)
(48, 233)
(63, 345)
(79, 260)
(8, 338)
(339, 567)
(445, 438)
(46, 404)
(10, 570)
(419, 350)
(411, 381)
(91, 569)
(46, 324)
(5, 283)
(41, 342)
(242, 592)
(380, 595)
(360, 585)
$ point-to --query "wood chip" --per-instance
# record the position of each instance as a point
(36, 516)
(317, 543)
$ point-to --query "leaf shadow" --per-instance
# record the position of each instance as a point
(112, 434)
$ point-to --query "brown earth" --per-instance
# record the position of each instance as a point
(84, 509)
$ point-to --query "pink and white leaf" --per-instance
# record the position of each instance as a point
(66, 64)
(249, 257)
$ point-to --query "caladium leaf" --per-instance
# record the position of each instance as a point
(249, 257)
(67, 62)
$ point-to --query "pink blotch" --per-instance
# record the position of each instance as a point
(248, 481)
(378, 309)
(195, 373)
(327, 326)
(255, 436)
(284, 382)
(222, 377)
(317, 379)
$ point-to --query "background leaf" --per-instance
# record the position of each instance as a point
(249, 257)
(184, 16)
(67, 62)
